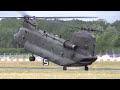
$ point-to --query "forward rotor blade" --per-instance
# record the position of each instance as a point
(48, 17)
(65, 17)
(23, 13)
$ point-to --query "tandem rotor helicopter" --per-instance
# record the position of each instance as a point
(79, 51)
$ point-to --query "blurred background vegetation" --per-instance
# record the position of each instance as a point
(106, 42)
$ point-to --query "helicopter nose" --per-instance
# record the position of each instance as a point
(15, 37)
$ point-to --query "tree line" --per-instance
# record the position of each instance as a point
(106, 42)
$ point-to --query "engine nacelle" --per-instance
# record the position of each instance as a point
(68, 45)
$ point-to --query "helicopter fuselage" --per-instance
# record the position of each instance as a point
(53, 48)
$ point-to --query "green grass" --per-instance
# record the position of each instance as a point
(98, 70)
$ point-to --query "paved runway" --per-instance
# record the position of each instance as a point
(60, 68)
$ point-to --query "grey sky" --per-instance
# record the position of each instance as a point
(110, 16)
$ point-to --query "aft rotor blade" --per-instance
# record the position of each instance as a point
(85, 29)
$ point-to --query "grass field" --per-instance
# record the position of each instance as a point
(98, 70)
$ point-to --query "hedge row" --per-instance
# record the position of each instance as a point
(12, 50)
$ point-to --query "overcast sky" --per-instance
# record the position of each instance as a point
(110, 16)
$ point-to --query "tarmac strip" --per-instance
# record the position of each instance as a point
(60, 68)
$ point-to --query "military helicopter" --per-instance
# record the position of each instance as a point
(79, 51)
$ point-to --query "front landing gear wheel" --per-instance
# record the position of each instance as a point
(32, 58)
(64, 68)
(86, 68)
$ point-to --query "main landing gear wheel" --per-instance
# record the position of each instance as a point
(32, 58)
(64, 68)
(86, 68)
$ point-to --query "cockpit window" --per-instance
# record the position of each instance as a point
(20, 29)
(93, 36)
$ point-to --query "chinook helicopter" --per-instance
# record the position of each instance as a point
(79, 51)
